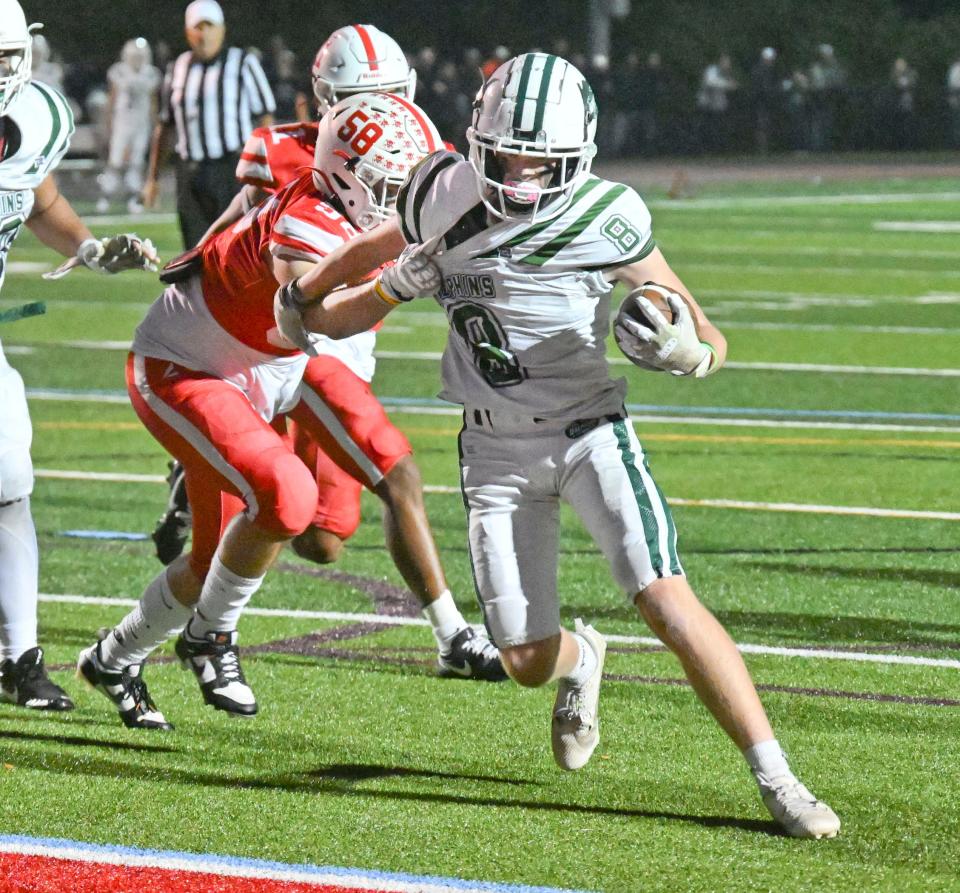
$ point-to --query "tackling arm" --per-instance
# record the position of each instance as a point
(654, 268)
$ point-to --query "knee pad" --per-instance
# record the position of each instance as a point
(286, 494)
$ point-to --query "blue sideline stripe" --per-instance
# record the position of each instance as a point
(210, 861)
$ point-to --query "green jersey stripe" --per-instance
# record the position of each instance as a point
(651, 528)
(522, 92)
(534, 231)
(547, 252)
(545, 76)
(57, 128)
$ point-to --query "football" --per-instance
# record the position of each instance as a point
(656, 295)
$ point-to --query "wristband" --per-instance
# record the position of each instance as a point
(384, 295)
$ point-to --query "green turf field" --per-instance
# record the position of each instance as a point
(842, 307)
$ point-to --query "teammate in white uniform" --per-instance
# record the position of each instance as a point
(522, 248)
(35, 129)
(134, 82)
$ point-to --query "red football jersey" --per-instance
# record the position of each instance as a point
(238, 284)
(273, 156)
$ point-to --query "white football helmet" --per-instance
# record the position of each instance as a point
(360, 59)
(16, 52)
(366, 146)
(535, 105)
(137, 53)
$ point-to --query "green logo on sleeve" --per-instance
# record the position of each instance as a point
(621, 233)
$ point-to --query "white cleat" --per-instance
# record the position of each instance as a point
(799, 813)
(575, 731)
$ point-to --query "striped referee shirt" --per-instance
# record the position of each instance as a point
(213, 104)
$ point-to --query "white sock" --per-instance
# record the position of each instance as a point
(586, 665)
(224, 596)
(158, 617)
(19, 561)
(767, 761)
(445, 618)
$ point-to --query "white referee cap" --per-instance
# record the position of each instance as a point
(203, 11)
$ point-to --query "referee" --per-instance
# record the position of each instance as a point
(213, 96)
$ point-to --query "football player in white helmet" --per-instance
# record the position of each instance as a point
(35, 130)
(134, 83)
(360, 59)
(522, 247)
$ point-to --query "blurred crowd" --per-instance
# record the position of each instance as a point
(647, 107)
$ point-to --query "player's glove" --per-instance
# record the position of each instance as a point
(414, 275)
(667, 347)
(114, 254)
(288, 306)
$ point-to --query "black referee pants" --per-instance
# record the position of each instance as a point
(204, 189)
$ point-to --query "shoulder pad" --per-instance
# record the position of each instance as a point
(436, 194)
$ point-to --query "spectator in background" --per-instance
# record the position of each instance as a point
(953, 103)
(500, 55)
(212, 97)
(45, 68)
(827, 81)
(131, 110)
(644, 88)
(713, 103)
(293, 103)
(796, 90)
(448, 104)
(903, 125)
(765, 95)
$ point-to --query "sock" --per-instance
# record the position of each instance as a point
(158, 617)
(19, 561)
(224, 596)
(767, 761)
(586, 664)
(445, 618)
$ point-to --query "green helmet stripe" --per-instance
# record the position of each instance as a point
(544, 90)
(547, 252)
(522, 92)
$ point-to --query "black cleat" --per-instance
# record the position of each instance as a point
(173, 528)
(26, 684)
(471, 655)
(125, 688)
(215, 662)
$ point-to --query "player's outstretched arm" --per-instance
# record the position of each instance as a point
(654, 268)
(353, 261)
(54, 222)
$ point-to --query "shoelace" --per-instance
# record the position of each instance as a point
(230, 666)
(574, 708)
(137, 689)
(480, 647)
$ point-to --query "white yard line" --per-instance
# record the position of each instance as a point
(804, 508)
(917, 226)
(746, 648)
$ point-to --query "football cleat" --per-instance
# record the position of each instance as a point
(575, 730)
(215, 662)
(173, 528)
(24, 682)
(797, 811)
(471, 655)
(125, 688)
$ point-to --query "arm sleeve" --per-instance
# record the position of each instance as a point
(435, 195)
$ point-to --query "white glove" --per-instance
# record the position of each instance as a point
(668, 347)
(114, 254)
(414, 275)
(288, 306)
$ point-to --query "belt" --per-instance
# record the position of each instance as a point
(484, 418)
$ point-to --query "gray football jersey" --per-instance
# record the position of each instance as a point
(528, 305)
(38, 134)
